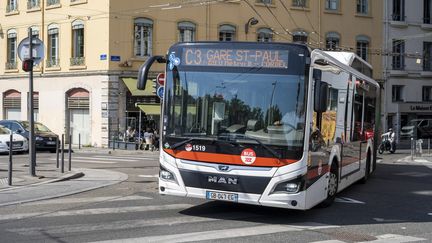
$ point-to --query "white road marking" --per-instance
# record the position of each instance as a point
(89, 161)
(348, 200)
(149, 176)
(392, 238)
(106, 159)
(138, 157)
(216, 234)
(97, 211)
(328, 241)
(126, 224)
(430, 214)
(88, 200)
(386, 220)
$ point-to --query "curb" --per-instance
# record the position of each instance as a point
(69, 176)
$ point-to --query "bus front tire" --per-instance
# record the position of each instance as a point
(332, 187)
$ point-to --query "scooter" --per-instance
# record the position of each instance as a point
(386, 144)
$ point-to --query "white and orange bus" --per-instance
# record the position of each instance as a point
(273, 124)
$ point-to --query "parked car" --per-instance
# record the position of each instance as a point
(417, 128)
(19, 143)
(44, 138)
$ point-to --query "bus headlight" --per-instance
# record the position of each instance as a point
(167, 175)
(291, 186)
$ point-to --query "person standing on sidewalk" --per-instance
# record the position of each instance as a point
(149, 138)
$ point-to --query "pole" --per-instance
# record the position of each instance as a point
(412, 148)
(428, 145)
(10, 160)
(57, 152)
(32, 151)
(113, 141)
(70, 153)
(62, 154)
(79, 140)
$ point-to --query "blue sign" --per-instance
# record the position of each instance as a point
(103, 57)
(160, 92)
(115, 58)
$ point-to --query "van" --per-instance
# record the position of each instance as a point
(417, 128)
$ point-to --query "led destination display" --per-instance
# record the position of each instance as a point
(235, 58)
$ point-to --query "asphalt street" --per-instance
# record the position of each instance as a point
(395, 205)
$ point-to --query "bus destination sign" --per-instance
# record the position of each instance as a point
(235, 58)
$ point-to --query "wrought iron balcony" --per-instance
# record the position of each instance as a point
(77, 61)
(53, 62)
(52, 2)
(31, 4)
(10, 65)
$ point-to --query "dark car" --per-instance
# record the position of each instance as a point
(44, 138)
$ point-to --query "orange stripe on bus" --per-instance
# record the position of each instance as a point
(227, 158)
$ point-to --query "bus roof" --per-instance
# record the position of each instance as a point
(347, 58)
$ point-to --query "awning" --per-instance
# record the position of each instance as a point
(150, 109)
(131, 84)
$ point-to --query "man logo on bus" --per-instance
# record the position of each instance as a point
(188, 147)
(248, 156)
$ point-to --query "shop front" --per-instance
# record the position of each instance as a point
(411, 120)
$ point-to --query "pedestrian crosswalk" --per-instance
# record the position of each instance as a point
(146, 217)
(106, 159)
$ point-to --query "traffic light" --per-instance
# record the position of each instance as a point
(27, 65)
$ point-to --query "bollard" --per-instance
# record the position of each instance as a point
(429, 146)
(412, 149)
(70, 152)
(62, 154)
(57, 152)
(113, 141)
(79, 140)
(10, 161)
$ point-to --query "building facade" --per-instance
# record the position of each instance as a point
(86, 84)
(407, 62)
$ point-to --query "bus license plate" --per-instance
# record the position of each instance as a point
(222, 196)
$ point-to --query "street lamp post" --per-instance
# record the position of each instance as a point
(252, 21)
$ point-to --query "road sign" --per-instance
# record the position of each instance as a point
(160, 79)
(160, 92)
(38, 50)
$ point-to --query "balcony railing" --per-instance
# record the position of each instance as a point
(31, 4)
(11, 8)
(10, 65)
(52, 63)
(52, 2)
(77, 61)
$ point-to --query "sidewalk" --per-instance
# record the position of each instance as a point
(49, 182)
(112, 151)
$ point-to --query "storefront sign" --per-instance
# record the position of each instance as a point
(417, 108)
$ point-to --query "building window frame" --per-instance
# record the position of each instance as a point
(362, 46)
(143, 37)
(12, 45)
(227, 32)
(398, 12)
(186, 31)
(332, 5)
(332, 41)
(397, 93)
(427, 93)
(427, 11)
(269, 2)
(398, 57)
(11, 6)
(362, 7)
(53, 59)
(299, 3)
(427, 56)
(265, 35)
(78, 43)
(300, 36)
(33, 4)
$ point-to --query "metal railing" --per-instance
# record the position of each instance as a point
(11, 65)
(52, 63)
(77, 61)
(398, 17)
(31, 4)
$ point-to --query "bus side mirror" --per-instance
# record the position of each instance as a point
(145, 68)
(321, 96)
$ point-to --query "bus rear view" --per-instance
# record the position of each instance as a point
(234, 124)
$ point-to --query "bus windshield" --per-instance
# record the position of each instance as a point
(250, 106)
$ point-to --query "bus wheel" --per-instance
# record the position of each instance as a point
(367, 170)
(333, 184)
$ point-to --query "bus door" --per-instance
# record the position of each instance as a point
(351, 152)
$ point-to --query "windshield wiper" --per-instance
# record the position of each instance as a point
(272, 151)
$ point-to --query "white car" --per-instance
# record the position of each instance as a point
(19, 143)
